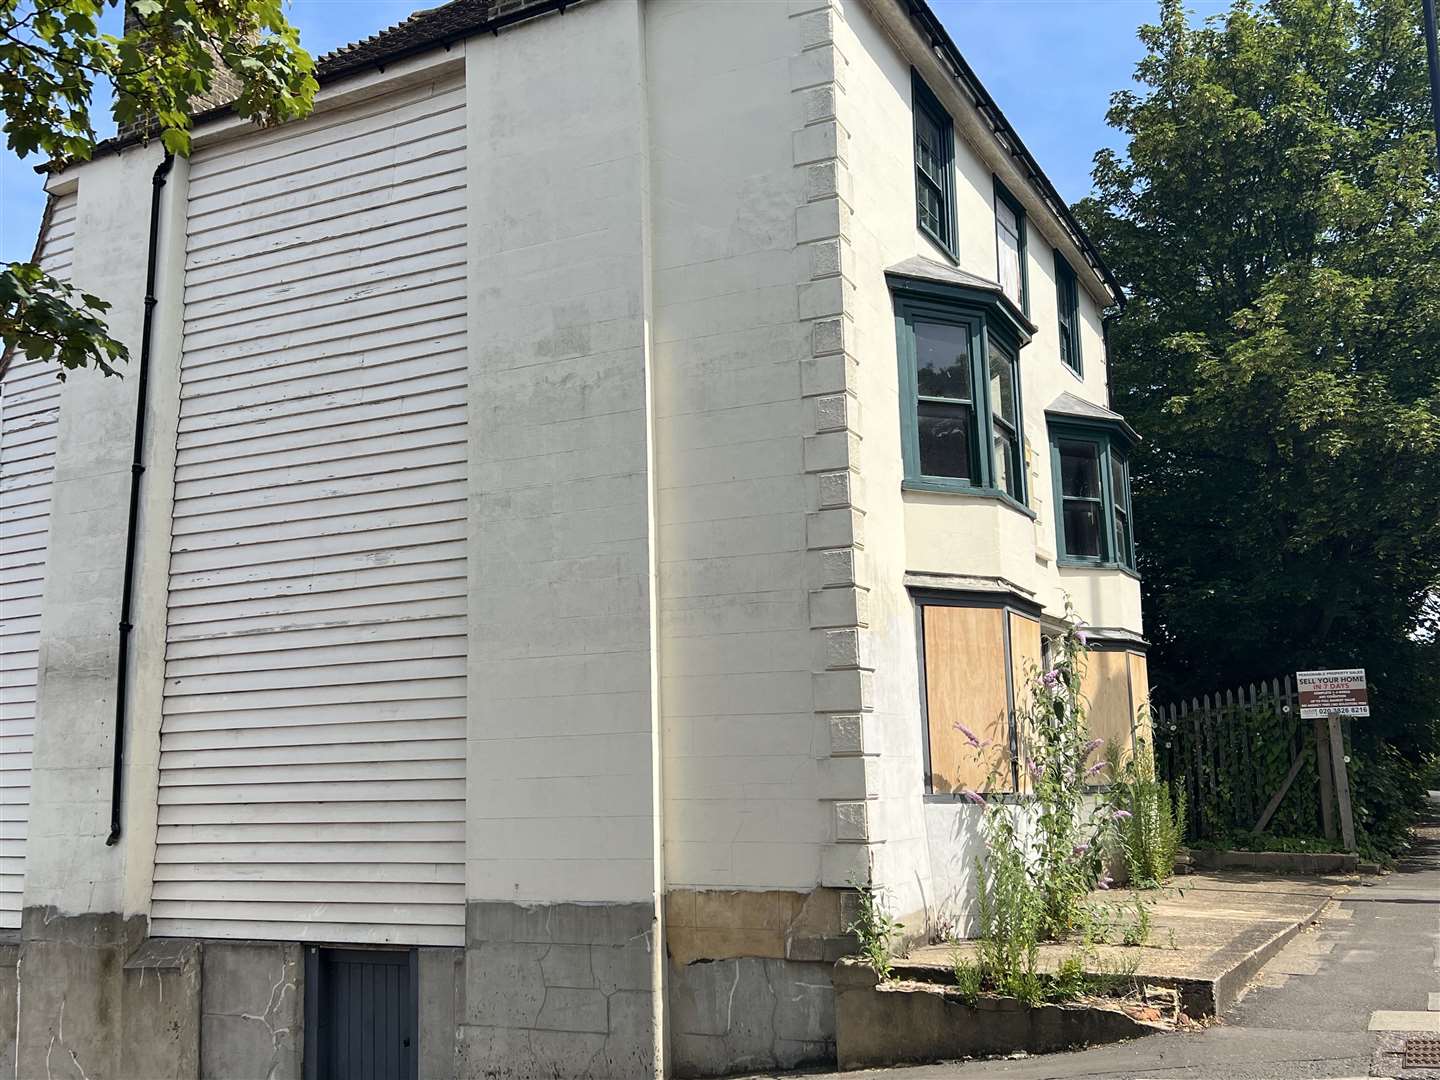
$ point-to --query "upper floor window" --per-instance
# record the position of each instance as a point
(1006, 463)
(934, 167)
(1067, 304)
(1010, 248)
(961, 405)
(1092, 491)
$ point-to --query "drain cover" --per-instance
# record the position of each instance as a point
(1422, 1054)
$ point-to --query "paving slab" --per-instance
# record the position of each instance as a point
(1402, 1020)
(1211, 934)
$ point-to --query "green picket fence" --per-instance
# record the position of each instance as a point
(1230, 752)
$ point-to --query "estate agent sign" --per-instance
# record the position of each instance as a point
(1332, 693)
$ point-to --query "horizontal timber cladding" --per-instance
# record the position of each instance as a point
(29, 415)
(312, 753)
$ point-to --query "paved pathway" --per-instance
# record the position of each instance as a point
(1317, 1011)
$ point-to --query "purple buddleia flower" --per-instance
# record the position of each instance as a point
(1105, 882)
(972, 797)
(1082, 637)
(1121, 815)
(1079, 850)
(1094, 769)
(1033, 769)
(1051, 679)
(970, 736)
(1091, 747)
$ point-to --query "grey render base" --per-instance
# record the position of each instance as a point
(553, 991)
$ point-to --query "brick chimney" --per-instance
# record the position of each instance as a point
(225, 88)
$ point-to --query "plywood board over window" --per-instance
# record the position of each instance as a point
(966, 690)
(1140, 697)
(1024, 662)
(1106, 688)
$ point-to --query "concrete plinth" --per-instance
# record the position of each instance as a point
(560, 990)
(252, 1010)
(70, 990)
(160, 1011)
(94, 997)
(919, 1022)
(9, 987)
(750, 1013)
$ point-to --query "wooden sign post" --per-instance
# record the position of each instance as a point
(1328, 696)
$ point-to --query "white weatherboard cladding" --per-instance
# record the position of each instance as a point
(29, 412)
(312, 764)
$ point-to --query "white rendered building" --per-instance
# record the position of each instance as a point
(588, 469)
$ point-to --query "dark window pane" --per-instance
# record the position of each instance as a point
(1117, 481)
(1068, 298)
(927, 146)
(945, 440)
(1122, 536)
(942, 360)
(929, 203)
(1082, 529)
(1080, 470)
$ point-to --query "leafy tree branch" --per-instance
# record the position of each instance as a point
(174, 57)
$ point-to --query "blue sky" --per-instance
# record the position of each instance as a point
(1051, 64)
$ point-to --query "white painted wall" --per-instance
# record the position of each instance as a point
(741, 775)
(563, 769)
(668, 357)
(312, 753)
(29, 417)
(927, 847)
(68, 865)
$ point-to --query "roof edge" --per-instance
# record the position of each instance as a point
(339, 64)
(921, 14)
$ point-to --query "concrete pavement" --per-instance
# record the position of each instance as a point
(1308, 1015)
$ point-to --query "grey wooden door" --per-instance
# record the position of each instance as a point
(361, 1014)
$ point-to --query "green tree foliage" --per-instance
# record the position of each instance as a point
(173, 54)
(1275, 220)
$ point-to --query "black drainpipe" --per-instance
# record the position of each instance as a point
(137, 468)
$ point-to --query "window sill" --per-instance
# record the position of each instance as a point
(1004, 798)
(945, 249)
(1078, 373)
(1096, 564)
(941, 487)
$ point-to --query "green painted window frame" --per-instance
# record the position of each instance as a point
(1002, 195)
(925, 105)
(1067, 308)
(1112, 449)
(987, 335)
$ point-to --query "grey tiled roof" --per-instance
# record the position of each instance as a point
(917, 266)
(430, 28)
(920, 268)
(425, 29)
(1067, 404)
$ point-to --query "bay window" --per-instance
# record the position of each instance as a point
(1089, 448)
(961, 405)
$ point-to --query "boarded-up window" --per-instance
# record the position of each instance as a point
(969, 690)
(1025, 661)
(1140, 697)
(1115, 687)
